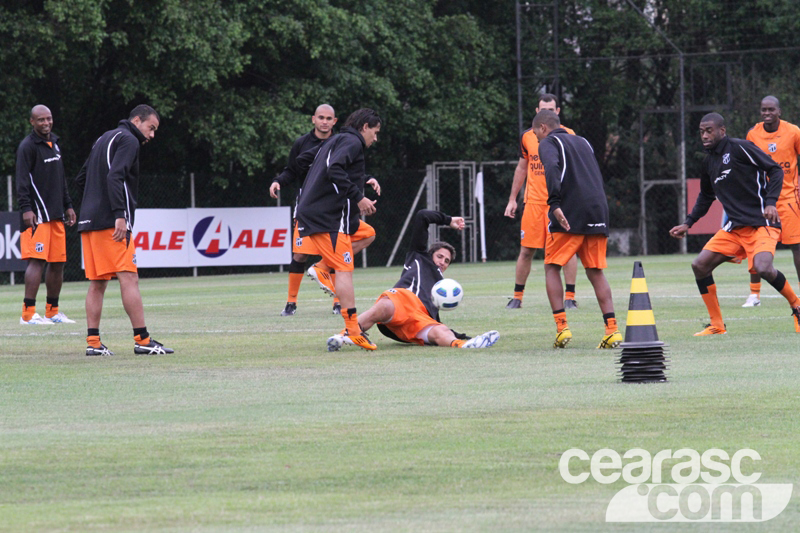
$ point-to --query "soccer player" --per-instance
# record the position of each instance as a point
(45, 204)
(578, 221)
(735, 172)
(534, 215)
(406, 313)
(109, 181)
(323, 120)
(331, 200)
(781, 141)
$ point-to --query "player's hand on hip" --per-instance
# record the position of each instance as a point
(69, 217)
(372, 182)
(559, 215)
(274, 188)
(679, 231)
(511, 209)
(120, 230)
(366, 206)
(771, 214)
(457, 223)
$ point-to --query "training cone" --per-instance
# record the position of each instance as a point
(642, 358)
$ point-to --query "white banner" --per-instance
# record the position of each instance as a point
(213, 237)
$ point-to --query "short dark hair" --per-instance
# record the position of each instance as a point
(545, 116)
(365, 115)
(548, 97)
(143, 111)
(438, 245)
(715, 118)
(770, 97)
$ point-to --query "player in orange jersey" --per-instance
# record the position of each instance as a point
(781, 141)
(533, 228)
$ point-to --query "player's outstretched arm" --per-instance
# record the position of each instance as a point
(457, 223)
(372, 182)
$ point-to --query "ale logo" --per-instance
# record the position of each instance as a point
(212, 237)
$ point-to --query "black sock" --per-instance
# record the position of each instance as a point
(142, 332)
(52, 301)
(779, 282)
(518, 287)
(295, 267)
(29, 302)
(570, 288)
(93, 332)
(606, 316)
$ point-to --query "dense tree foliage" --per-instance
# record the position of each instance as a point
(236, 81)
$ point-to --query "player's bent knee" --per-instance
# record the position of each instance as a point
(441, 335)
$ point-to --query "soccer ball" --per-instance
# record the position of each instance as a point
(447, 294)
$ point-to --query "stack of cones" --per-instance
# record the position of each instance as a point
(642, 357)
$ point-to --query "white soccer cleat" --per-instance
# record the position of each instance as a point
(752, 301)
(36, 320)
(61, 318)
(483, 340)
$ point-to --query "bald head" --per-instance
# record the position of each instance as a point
(715, 119)
(323, 120)
(42, 121)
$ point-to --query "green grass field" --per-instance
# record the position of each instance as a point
(253, 426)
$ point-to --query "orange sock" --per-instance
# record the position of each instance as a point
(294, 285)
(322, 265)
(457, 343)
(351, 321)
(708, 290)
(755, 288)
(560, 317)
(93, 341)
(569, 295)
(50, 311)
(518, 295)
(140, 340)
(28, 311)
(611, 325)
(335, 300)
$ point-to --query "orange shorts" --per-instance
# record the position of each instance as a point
(303, 245)
(533, 229)
(790, 222)
(335, 248)
(103, 257)
(410, 316)
(48, 242)
(591, 249)
(746, 241)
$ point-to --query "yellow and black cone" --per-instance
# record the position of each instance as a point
(641, 324)
(642, 357)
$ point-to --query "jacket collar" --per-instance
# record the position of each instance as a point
(127, 124)
(36, 138)
(559, 129)
(355, 132)
(720, 148)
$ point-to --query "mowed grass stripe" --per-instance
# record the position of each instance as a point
(252, 425)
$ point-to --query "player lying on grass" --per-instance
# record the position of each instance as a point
(406, 313)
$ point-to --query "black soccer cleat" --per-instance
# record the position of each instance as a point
(570, 304)
(152, 348)
(102, 350)
(514, 303)
(290, 309)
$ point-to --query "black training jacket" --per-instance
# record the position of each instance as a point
(333, 186)
(420, 273)
(574, 183)
(735, 172)
(41, 183)
(109, 179)
(293, 173)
